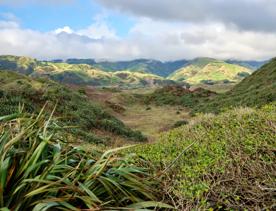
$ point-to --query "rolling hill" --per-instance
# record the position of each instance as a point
(210, 71)
(80, 74)
(256, 90)
(88, 120)
(135, 73)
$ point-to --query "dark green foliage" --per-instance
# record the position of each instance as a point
(208, 82)
(226, 81)
(243, 74)
(81, 61)
(256, 90)
(180, 123)
(40, 172)
(177, 95)
(74, 108)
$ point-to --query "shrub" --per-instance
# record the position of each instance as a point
(180, 123)
(41, 172)
(243, 74)
(222, 162)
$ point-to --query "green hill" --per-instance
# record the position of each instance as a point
(224, 162)
(83, 74)
(86, 117)
(210, 71)
(256, 90)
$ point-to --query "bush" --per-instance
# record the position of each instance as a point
(180, 123)
(223, 162)
(243, 74)
(41, 172)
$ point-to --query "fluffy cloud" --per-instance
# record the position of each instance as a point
(255, 15)
(148, 38)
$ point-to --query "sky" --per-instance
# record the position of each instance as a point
(131, 29)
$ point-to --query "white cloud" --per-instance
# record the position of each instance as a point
(98, 30)
(147, 39)
(65, 29)
(256, 15)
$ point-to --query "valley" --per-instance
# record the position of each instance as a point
(137, 105)
(184, 137)
(128, 106)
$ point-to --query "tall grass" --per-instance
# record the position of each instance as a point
(39, 171)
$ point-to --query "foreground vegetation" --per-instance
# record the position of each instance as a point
(224, 162)
(41, 171)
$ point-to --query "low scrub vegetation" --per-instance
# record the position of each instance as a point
(75, 108)
(177, 95)
(220, 162)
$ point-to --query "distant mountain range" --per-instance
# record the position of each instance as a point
(157, 67)
(135, 73)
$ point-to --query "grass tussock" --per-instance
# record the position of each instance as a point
(226, 161)
(39, 171)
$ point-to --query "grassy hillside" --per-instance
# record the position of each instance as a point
(83, 74)
(226, 162)
(73, 107)
(24, 65)
(210, 71)
(255, 90)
